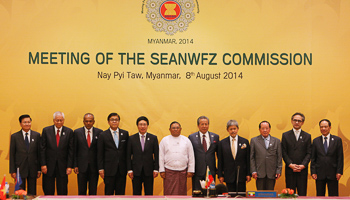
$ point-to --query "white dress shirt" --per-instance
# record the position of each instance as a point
(24, 135)
(176, 153)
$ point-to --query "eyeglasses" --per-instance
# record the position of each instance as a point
(114, 120)
(297, 120)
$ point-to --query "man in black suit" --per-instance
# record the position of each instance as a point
(25, 154)
(296, 153)
(327, 160)
(85, 155)
(111, 156)
(205, 146)
(142, 158)
(233, 155)
(56, 156)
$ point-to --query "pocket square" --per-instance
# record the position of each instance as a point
(243, 146)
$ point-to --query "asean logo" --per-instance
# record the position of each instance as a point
(170, 16)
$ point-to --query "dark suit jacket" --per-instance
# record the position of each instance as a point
(28, 161)
(148, 159)
(83, 155)
(227, 166)
(202, 158)
(330, 164)
(109, 157)
(266, 162)
(50, 153)
(296, 152)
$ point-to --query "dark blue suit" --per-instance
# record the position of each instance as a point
(204, 159)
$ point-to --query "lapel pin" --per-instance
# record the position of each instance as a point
(196, 135)
(270, 144)
(332, 138)
(212, 135)
(240, 144)
(301, 137)
(147, 138)
(32, 140)
(63, 133)
(121, 133)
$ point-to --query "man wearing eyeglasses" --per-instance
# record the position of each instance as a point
(296, 153)
(111, 156)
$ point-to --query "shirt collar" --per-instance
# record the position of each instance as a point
(296, 131)
(113, 131)
(206, 134)
(141, 134)
(58, 129)
(24, 133)
(86, 130)
(268, 137)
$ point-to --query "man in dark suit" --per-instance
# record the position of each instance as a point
(111, 156)
(233, 155)
(205, 146)
(327, 160)
(56, 156)
(142, 158)
(25, 154)
(296, 153)
(85, 155)
(265, 158)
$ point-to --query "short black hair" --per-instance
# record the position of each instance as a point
(329, 122)
(174, 122)
(264, 122)
(298, 113)
(113, 114)
(24, 116)
(142, 118)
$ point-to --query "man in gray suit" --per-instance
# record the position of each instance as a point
(205, 146)
(265, 158)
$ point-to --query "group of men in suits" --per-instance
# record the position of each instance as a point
(238, 160)
(112, 154)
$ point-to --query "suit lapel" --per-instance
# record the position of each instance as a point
(21, 140)
(111, 138)
(199, 142)
(331, 142)
(138, 141)
(261, 141)
(211, 136)
(53, 135)
(93, 136)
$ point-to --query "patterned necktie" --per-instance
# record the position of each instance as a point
(325, 145)
(116, 139)
(204, 143)
(58, 137)
(143, 142)
(233, 150)
(26, 140)
(88, 138)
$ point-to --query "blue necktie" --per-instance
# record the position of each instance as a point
(116, 139)
(26, 140)
(325, 145)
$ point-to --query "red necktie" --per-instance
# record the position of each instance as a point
(88, 139)
(204, 143)
(58, 137)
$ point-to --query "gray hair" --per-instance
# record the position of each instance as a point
(231, 122)
(202, 117)
(58, 113)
